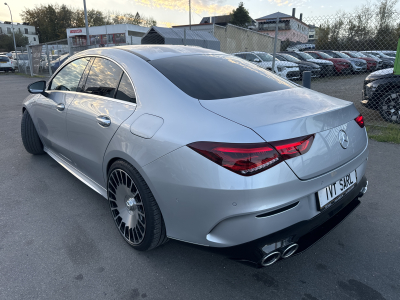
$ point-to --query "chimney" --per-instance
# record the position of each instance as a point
(301, 17)
(294, 12)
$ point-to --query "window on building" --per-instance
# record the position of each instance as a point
(26, 30)
(34, 39)
(120, 38)
(110, 39)
(19, 30)
(8, 30)
(1, 30)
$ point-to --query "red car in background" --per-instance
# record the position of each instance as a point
(341, 65)
(372, 64)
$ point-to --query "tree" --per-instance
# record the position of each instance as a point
(7, 42)
(240, 16)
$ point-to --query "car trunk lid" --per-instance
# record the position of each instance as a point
(294, 113)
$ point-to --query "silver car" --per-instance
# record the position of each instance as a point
(199, 146)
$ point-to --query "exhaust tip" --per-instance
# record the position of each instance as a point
(270, 258)
(290, 250)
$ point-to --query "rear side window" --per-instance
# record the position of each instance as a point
(103, 78)
(125, 90)
(210, 77)
(315, 55)
(68, 78)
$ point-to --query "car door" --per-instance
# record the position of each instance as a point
(49, 112)
(96, 113)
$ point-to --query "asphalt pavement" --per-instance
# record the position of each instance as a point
(58, 240)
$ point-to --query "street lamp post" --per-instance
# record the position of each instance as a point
(86, 24)
(12, 25)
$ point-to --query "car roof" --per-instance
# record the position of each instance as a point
(153, 52)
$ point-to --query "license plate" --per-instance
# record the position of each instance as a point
(336, 190)
(3, 62)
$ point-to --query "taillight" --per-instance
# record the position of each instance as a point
(360, 121)
(251, 159)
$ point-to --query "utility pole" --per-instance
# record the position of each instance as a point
(86, 24)
(275, 41)
(15, 45)
(190, 16)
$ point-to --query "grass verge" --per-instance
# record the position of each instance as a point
(389, 134)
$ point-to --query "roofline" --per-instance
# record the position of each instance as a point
(298, 20)
(193, 25)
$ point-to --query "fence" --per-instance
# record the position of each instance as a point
(341, 52)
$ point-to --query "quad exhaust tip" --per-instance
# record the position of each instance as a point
(270, 258)
(290, 250)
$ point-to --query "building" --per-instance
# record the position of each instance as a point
(107, 35)
(27, 30)
(224, 20)
(312, 33)
(289, 27)
(236, 39)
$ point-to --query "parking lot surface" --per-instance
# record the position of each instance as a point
(58, 240)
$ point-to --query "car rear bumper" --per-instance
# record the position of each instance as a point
(223, 209)
(6, 68)
(303, 233)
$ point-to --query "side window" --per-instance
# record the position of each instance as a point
(125, 90)
(313, 54)
(250, 57)
(103, 78)
(68, 78)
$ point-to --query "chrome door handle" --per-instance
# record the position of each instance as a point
(103, 121)
(60, 106)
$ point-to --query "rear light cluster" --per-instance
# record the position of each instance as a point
(251, 159)
(360, 121)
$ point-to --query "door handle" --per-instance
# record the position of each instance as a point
(103, 121)
(60, 106)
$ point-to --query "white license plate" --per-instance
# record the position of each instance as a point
(336, 190)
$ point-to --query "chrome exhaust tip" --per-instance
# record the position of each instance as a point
(270, 258)
(363, 190)
(290, 250)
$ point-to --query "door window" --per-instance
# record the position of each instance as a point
(68, 78)
(315, 55)
(125, 90)
(103, 78)
(250, 57)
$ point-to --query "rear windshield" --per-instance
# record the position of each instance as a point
(4, 59)
(210, 77)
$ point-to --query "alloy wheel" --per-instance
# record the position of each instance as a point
(126, 207)
(391, 107)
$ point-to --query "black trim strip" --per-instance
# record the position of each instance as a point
(137, 54)
(277, 211)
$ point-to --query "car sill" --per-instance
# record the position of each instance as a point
(82, 177)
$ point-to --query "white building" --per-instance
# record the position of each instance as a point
(27, 30)
(107, 35)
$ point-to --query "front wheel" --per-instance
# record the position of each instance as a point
(389, 107)
(29, 135)
(134, 208)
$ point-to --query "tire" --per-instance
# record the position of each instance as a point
(134, 208)
(389, 106)
(29, 135)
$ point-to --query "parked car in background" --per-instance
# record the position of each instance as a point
(358, 65)
(381, 92)
(303, 65)
(6, 64)
(373, 64)
(264, 60)
(327, 68)
(341, 65)
(387, 61)
(389, 53)
(56, 63)
(22, 60)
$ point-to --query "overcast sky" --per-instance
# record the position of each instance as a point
(174, 12)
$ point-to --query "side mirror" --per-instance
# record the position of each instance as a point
(257, 60)
(38, 87)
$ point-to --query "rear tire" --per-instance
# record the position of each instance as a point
(134, 208)
(389, 107)
(29, 135)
